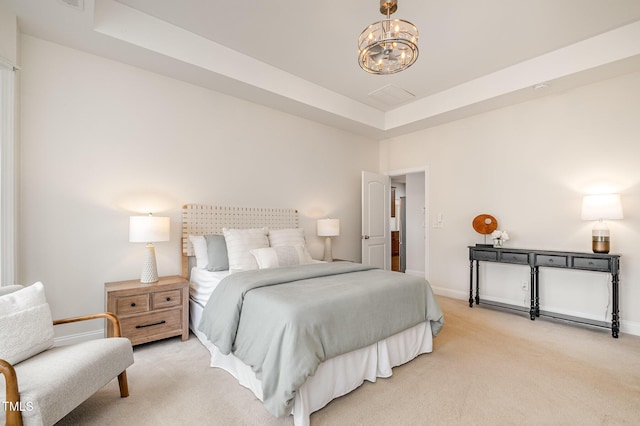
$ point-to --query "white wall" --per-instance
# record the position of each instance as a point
(102, 141)
(529, 165)
(8, 36)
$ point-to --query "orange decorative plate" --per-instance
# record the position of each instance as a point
(485, 224)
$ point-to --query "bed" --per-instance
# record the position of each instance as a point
(338, 365)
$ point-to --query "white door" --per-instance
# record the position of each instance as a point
(376, 239)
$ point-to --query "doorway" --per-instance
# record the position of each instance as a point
(408, 223)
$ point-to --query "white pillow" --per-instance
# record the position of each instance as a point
(289, 237)
(200, 251)
(26, 327)
(286, 237)
(240, 242)
(274, 257)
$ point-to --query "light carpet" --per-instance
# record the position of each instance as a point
(488, 367)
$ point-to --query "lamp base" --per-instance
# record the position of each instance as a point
(600, 237)
(600, 245)
(149, 267)
(328, 257)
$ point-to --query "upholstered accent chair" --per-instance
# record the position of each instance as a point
(43, 383)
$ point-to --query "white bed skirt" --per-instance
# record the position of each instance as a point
(334, 377)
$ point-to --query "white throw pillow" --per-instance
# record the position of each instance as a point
(286, 237)
(26, 327)
(200, 250)
(274, 257)
(289, 237)
(240, 242)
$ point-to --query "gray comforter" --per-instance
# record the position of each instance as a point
(284, 322)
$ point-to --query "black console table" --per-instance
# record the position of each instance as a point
(609, 263)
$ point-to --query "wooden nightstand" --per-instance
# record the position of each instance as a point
(149, 312)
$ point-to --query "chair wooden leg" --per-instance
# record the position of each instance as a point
(124, 387)
(11, 404)
(14, 418)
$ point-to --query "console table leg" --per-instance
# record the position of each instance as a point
(471, 283)
(477, 283)
(536, 279)
(615, 320)
(532, 311)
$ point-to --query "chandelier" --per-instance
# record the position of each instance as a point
(388, 46)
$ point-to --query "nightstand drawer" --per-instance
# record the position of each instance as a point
(153, 324)
(132, 304)
(166, 299)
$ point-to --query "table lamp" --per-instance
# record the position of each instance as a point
(148, 229)
(328, 228)
(601, 207)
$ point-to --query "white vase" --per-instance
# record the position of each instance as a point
(498, 242)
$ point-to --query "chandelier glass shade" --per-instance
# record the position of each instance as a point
(388, 46)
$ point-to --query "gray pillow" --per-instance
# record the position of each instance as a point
(217, 251)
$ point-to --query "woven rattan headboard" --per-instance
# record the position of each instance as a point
(205, 220)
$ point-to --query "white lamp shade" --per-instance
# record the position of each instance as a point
(148, 229)
(601, 206)
(328, 227)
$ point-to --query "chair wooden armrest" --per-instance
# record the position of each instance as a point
(108, 315)
(12, 396)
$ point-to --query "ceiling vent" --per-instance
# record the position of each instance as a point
(76, 4)
(391, 96)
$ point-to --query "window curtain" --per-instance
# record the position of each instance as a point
(7, 173)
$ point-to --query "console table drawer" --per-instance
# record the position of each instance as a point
(551, 260)
(491, 256)
(591, 263)
(510, 257)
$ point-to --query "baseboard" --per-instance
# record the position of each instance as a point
(414, 272)
(628, 327)
(78, 338)
(448, 292)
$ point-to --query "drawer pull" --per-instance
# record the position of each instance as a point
(151, 325)
(590, 263)
(550, 260)
(133, 304)
(168, 299)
